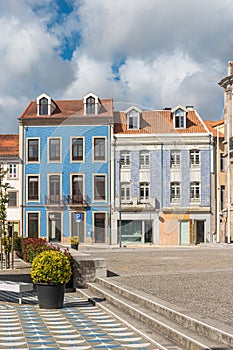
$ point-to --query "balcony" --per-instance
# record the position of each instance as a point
(78, 201)
(139, 204)
(55, 201)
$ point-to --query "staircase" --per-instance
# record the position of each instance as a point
(170, 328)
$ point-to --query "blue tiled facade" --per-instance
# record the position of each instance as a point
(185, 178)
(65, 168)
(205, 178)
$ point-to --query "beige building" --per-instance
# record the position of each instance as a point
(226, 226)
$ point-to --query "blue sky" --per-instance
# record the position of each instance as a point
(150, 53)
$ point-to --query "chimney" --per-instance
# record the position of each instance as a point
(230, 68)
(190, 108)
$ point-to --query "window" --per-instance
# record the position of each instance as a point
(54, 149)
(43, 106)
(99, 149)
(133, 119)
(194, 158)
(195, 191)
(99, 229)
(33, 150)
(222, 161)
(125, 193)
(144, 159)
(179, 119)
(54, 189)
(144, 192)
(175, 191)
(33, 188)
(175, 158)
(125, 159)
(99, 188)
(13, 171)
(77, 149)
(33, 225)
(90, 105)
(77, 189)
(12, 197)
(222, 194)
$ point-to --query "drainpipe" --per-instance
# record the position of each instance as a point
(218, 191)
(228, 187)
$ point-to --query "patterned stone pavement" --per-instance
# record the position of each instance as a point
(78, 325)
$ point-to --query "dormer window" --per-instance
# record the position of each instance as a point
(133, 119)
(91, 104)
(43, 106)
(179, 119)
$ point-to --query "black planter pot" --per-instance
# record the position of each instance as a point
(50, 296)
(74, 246)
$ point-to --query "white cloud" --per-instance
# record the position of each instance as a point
(167, 52)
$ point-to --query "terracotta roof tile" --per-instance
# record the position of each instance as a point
(158, 122)
(9, 145)
(210, 125)
(67, 108)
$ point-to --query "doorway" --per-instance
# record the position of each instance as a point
(54, 227)
(200, 231)
(184, 232)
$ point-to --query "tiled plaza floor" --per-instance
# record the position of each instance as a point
(78, 325)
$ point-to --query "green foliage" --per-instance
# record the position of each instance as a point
(74, 239)
(51, 266)
(4, 198)
(17, 243)
(6, 244)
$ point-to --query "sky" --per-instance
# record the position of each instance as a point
(149, 53)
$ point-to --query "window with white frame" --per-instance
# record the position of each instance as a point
(12, 199)
(54, 150)
(12, 171)
(144, 159)
(99, 148)
(77, 149)
(90, 105)
(33, 187)
(194, 158)
(175, 191)
(125, 192)
(54, 189)
(195, 191)
(99, 188)
(179, 119)
(77, 189)
(125, 158)
(43, 106)
(175, 158)
(144, 192)
(33, 225)
(32, 150)
(133, 119)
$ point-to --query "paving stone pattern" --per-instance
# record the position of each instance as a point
(199, 279)
(79, 325)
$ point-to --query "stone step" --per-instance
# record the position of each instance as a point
(159, 341)
(183, 329)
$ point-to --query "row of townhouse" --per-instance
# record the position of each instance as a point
(80, 168)
(138, 176)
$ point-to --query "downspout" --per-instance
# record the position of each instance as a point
(161, 204)
(218, 191)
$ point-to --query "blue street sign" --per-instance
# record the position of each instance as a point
(78, 217)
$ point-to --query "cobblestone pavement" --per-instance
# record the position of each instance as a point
(199, 278)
